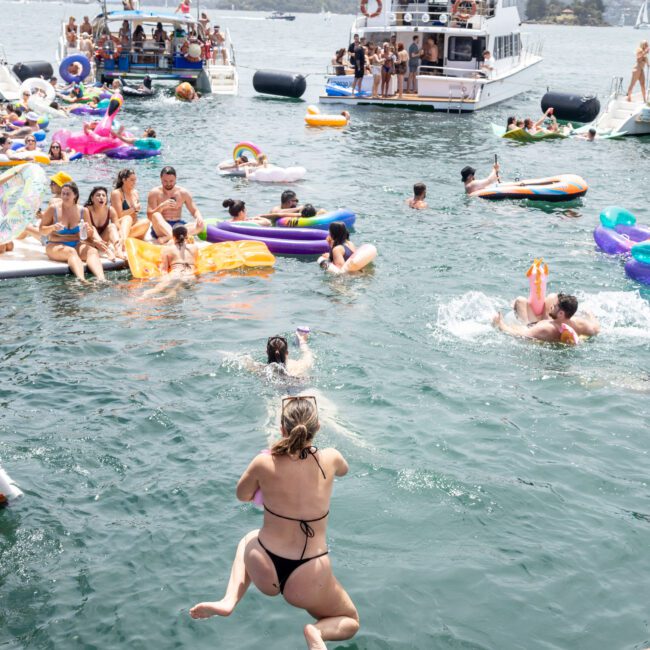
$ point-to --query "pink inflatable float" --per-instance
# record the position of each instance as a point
(97, 140)
(537, 276)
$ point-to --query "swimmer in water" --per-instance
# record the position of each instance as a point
(277, 353)
(557, 318)
(341, 248)
(472, 184)
(237, 210)
(419, 195)
(178, 261)
(148, 133)
(289, 554)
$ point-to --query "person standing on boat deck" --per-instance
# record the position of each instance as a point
(86, 27)
(355, 43)
(414, 63)
(184, 7)
(472, 185)
(296, 481)
(638, 71)
(375, 60)
(360, 66)
(165, 206)
(387, 69)
(338, 62)
(419, 195)
(401, 66)
(160, 36)
(71, 32)
(430, 57)
(205, 22)
(218, 45)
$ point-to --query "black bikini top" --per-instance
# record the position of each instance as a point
(304, 523)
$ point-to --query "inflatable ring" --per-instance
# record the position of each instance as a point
(244, 147)
(191, 51)
(35, 83)
(21, 192)
(102, 52)
(374, 14)
(67, 62)
(461, 14)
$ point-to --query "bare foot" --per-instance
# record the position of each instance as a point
(218, 608)
(314, 638)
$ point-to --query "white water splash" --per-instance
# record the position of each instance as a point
(621, 313)
(467, 317)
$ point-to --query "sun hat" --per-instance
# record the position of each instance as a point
(31, 116)
(61, 178)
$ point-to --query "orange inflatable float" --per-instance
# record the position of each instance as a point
(145, 258)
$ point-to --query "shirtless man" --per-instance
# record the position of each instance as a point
(557, 321)
(288, 204)
(472, 184)
(165, 205)
(419, 194)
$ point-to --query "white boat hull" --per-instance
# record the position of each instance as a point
(623, 117)
(440, 93)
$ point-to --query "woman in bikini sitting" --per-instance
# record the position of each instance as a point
(60, 223)
(289, 555)
(126, 203)
(103, 218)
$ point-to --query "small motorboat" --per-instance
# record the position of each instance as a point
(280, 15)
(563, 187)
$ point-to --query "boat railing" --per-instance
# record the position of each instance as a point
(616, 87)
(457, 74)
(435, 15)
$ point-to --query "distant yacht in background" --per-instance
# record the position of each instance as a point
(280, 15)
(642, 19)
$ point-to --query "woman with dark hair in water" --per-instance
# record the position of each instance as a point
(341, 248)
(289, 554)
(237, 210)
(277, 351)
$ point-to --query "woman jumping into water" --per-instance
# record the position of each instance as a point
(289, 554)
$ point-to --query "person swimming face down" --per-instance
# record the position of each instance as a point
(277, 350)
(299, 424)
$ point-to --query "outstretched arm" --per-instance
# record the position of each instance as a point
(248, 483)
(540, 332)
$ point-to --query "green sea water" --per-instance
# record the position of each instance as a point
(498, 490)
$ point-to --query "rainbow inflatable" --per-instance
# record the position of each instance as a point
(320, 221)
(246, 147)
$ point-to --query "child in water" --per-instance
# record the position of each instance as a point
(341, 248)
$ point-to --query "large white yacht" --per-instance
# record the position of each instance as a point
(460, 80)
(179, 57)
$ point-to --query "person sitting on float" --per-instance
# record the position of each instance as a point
(468, 174)
(511, 124)
(29, 150)
(237, 210)
(149, 132)
(31, 126)
(6, 152)
(341, 248)
(56, 153)
(557, 318)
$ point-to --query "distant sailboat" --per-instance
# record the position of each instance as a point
(642, 19)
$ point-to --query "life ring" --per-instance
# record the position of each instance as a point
(35, 83)
(102, 52)
(460, 12)
(191, 51)
(74, 78)
(374, 14)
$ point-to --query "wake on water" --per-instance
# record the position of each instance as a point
(469, 316)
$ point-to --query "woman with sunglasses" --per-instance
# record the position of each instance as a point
(56, 153)
(30, 150)
(289, 554)
(61, 223)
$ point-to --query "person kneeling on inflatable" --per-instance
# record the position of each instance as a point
(341, 248)
(557, 324)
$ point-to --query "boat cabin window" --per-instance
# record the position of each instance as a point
(460, 48)
(466, 48)
(505, 46)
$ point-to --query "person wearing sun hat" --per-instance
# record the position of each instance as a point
(31, 126)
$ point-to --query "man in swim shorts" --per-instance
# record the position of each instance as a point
(558, 317)
(472, 184)
(165, 206)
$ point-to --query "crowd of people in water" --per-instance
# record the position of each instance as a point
(391, 59)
